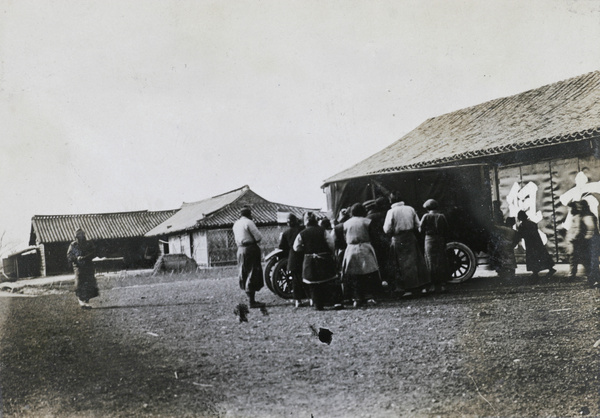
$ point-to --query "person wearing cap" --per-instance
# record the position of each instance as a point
(80, 254)
(247, 237)
(294, 266)
(434, 227)
(402, 224)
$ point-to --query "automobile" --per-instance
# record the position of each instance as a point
(278, 278)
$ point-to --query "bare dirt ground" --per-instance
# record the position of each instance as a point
(171, 346)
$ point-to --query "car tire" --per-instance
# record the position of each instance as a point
(462, 261)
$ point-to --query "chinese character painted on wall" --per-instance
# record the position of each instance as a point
(582, 191)
(525, 199)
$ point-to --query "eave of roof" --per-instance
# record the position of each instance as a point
(567, 111)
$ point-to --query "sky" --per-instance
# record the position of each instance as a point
(111, 106)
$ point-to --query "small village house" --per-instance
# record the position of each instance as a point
(117, 236)
(202, 230)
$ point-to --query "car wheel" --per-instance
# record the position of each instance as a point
(462, 262)
(282, 280)
(268, 272)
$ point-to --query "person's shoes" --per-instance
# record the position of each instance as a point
(550, 273)
(338, 306)
(84, 304)
(257, 305)
(371, 302)
(298, 303)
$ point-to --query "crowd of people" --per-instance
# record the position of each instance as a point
(376, 249)
(372, 250)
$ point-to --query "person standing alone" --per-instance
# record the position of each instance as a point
(81, 252)
(247, 237)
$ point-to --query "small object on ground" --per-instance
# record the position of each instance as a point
(152, 333)
(84, 304)
(324, 334)
(584, 410)
(241, 311)
(204, 385)
(597, 344)
(483, 313)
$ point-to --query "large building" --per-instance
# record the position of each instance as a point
(535, 151)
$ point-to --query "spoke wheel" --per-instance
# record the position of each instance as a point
(268, 272)
(282, 280)
(462, 262)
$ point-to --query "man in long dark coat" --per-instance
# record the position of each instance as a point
(81, 253)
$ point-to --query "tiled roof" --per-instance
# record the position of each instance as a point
(222, 211)
(565, 111)
(61, 228)
(191, 213)
(262, 214)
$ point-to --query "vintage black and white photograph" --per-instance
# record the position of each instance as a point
(312, 209)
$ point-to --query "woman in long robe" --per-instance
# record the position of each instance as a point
(81, 253)
(318, 267)
(360, 260)
(536, 255)
(401, 223)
